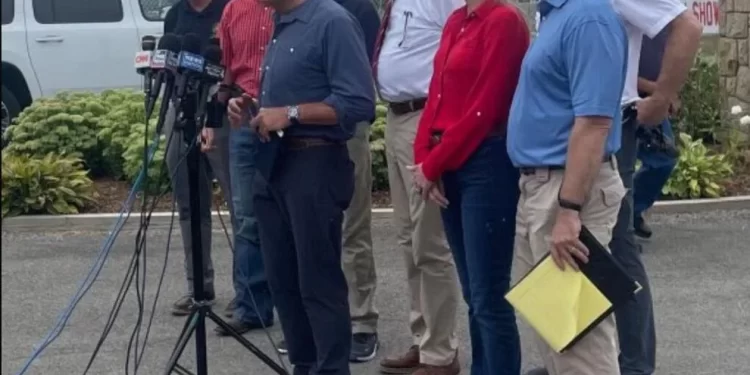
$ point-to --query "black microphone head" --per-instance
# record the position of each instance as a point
(170, 42)
(191, 43)
(148, 43)
(212, 54)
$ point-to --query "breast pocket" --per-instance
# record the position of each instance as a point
(293, 64)
(464, 57)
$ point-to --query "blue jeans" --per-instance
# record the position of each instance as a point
(656, 167)
(249, 274)
(480, 224)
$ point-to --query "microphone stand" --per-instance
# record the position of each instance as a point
(188, 122)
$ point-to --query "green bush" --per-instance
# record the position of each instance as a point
(116, 130)
(699, 173)
(157, 179)
(53, 184)
(700, 115)
(377, 148)
(66, 124)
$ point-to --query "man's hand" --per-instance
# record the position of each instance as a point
(653, 110)
(207, 139)
(270, 120)
(565, 243)
(238, 110)
(429, 190)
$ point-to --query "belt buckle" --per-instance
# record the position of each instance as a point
(541, 174)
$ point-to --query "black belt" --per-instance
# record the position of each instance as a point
(529, 171)
(301, 143)
(410, 106)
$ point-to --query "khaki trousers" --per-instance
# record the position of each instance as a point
(596, 353)
(357, 259)
(430, 268)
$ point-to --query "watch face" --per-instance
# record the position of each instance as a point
(293, 112)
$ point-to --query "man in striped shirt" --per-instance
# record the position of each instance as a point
(244, 32)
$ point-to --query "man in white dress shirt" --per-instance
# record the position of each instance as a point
(410, 35)
(635, 320)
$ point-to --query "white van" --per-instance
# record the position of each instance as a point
(54, 45)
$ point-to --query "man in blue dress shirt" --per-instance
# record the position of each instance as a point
(316, 87)
(562, 133)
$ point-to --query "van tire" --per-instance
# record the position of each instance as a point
(10, 104)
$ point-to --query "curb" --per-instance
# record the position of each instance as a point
(161, 220)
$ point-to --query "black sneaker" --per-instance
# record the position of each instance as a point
(641, 228)
(184, 305)
(364, 347)
(241, 327)
(281, 347)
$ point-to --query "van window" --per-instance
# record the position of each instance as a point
(8, 11)
(77, 11)
(155, 10)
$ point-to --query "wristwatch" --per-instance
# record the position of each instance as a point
(564, 203)
(292, 112)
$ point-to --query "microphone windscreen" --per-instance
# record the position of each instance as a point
(170, 42)
(212, 54)
(148, 43)
(191, 43)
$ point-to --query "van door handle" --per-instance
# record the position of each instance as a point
(50, 39)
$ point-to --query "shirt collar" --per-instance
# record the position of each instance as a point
(210, 8)
(545, 6)
(303, 13)
(483, 10)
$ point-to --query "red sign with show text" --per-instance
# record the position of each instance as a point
(707, 13)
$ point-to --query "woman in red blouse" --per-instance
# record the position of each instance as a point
(462, 165)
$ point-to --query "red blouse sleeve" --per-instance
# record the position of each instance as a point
(506, 39)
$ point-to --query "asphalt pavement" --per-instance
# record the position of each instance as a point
(699, 266)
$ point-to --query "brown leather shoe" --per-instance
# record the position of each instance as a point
(404, 364)
(453, 369)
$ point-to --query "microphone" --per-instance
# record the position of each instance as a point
(212, 74)
(169, 44)
(187, 64)
(143, 63)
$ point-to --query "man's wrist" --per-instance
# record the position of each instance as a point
(293, 114)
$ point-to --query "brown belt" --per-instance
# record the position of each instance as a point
(529, 171)
(410, 106)
(301, 143)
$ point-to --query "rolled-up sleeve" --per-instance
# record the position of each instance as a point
(595, 58)
(349, 75)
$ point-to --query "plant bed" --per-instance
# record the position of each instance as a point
(111, 194)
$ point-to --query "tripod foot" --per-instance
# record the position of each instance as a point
(182, 341)
(247, 344)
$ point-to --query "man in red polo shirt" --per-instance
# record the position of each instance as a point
(244, 32)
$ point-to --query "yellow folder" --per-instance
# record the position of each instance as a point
(562, 306)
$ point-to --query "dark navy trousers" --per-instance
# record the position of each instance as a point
(300, 212)
(480, 224)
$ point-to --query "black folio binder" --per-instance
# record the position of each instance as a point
(563, 306)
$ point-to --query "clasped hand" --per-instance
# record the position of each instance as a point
(268, 119)
(429, 190)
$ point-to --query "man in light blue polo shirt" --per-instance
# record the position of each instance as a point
(563, 131)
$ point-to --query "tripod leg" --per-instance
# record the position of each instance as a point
(247, 344)
(182, 341)
(181, 370)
